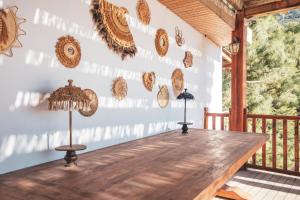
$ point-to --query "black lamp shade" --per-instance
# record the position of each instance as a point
(186, 95)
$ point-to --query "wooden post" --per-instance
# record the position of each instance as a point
(205, 118)
(238, 76)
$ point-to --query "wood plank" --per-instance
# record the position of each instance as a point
(222, 123)
(165, 166)
(254, 131)
(264, 146)
(214, 122)
(285, 145)
(296, 144)
(274, 144)
(272, 7)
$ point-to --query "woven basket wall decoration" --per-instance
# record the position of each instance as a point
(143, 11)
(163, 96)
(161, 42)
(10, 30)
(119, 88)
(179, 37)
(149, 80)
(177, 81)
(93, 103)
(188, 59)
(68, 51)
(111, 24)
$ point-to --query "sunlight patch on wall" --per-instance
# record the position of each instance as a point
(28, 99)
(128, 103)
(50, 20)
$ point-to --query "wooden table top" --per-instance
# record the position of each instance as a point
(162, 167)
(75, 147)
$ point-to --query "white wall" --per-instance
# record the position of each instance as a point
(29, 132)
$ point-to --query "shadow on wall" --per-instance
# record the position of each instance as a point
(29, 132)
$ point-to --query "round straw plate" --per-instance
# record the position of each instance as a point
(68, 51)
(163, 96)
(119, 88)
(143, 11)
(161, 42)
(177, 81)
(93, 104)
(149, 80)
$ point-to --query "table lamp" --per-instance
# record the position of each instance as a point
(186, 96)
(69, 98)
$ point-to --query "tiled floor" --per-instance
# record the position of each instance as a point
(263, 185)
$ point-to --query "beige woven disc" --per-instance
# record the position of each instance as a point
(93, 104)
(163, 96)
(177, 81)
(188, 59)
(68, 51)
(119, 88)
(143, 11)
(149, 80)
(161, 42)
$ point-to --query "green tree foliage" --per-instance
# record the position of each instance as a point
(273, 68)
(273, 78)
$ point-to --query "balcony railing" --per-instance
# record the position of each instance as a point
(280, 153)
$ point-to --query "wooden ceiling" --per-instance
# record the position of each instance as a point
(206, 16)
(216, 18)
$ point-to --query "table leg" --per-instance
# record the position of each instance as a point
(233, 193)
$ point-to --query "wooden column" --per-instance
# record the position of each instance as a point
(238, 76)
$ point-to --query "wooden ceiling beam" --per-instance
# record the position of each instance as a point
(221, 10)
(237, 4)
(271, 7)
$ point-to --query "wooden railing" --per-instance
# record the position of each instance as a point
(280, 153)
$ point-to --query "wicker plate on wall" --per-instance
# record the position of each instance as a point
(68, 51)
(188, 59)
(149, 80)
(163, 96)
(143, 11)
(177, 81)
(119, 88)
(161, 42)
(111, 24)
(10, 30)
(93, 103)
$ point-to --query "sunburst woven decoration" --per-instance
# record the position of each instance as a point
(93, 104)
(188, 59)
(163, 96)
(149, 80)
(161, 42)
(111, 24)
(143, 11)
(10, 30)
(119, 88)
(68, 51)
(177, 81)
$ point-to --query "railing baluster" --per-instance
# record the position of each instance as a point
(254, 131)
(222, 123)
(205, 118)
(285, 144)
(264, 146)
(214, 122)
(274, 152)
(296, 140)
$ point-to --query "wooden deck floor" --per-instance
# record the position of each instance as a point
(263, 185)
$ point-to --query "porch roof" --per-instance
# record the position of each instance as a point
(216, 19)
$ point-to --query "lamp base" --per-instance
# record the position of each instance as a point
(71, 156)
(185, 127)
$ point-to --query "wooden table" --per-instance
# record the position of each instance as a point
(163, 167)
